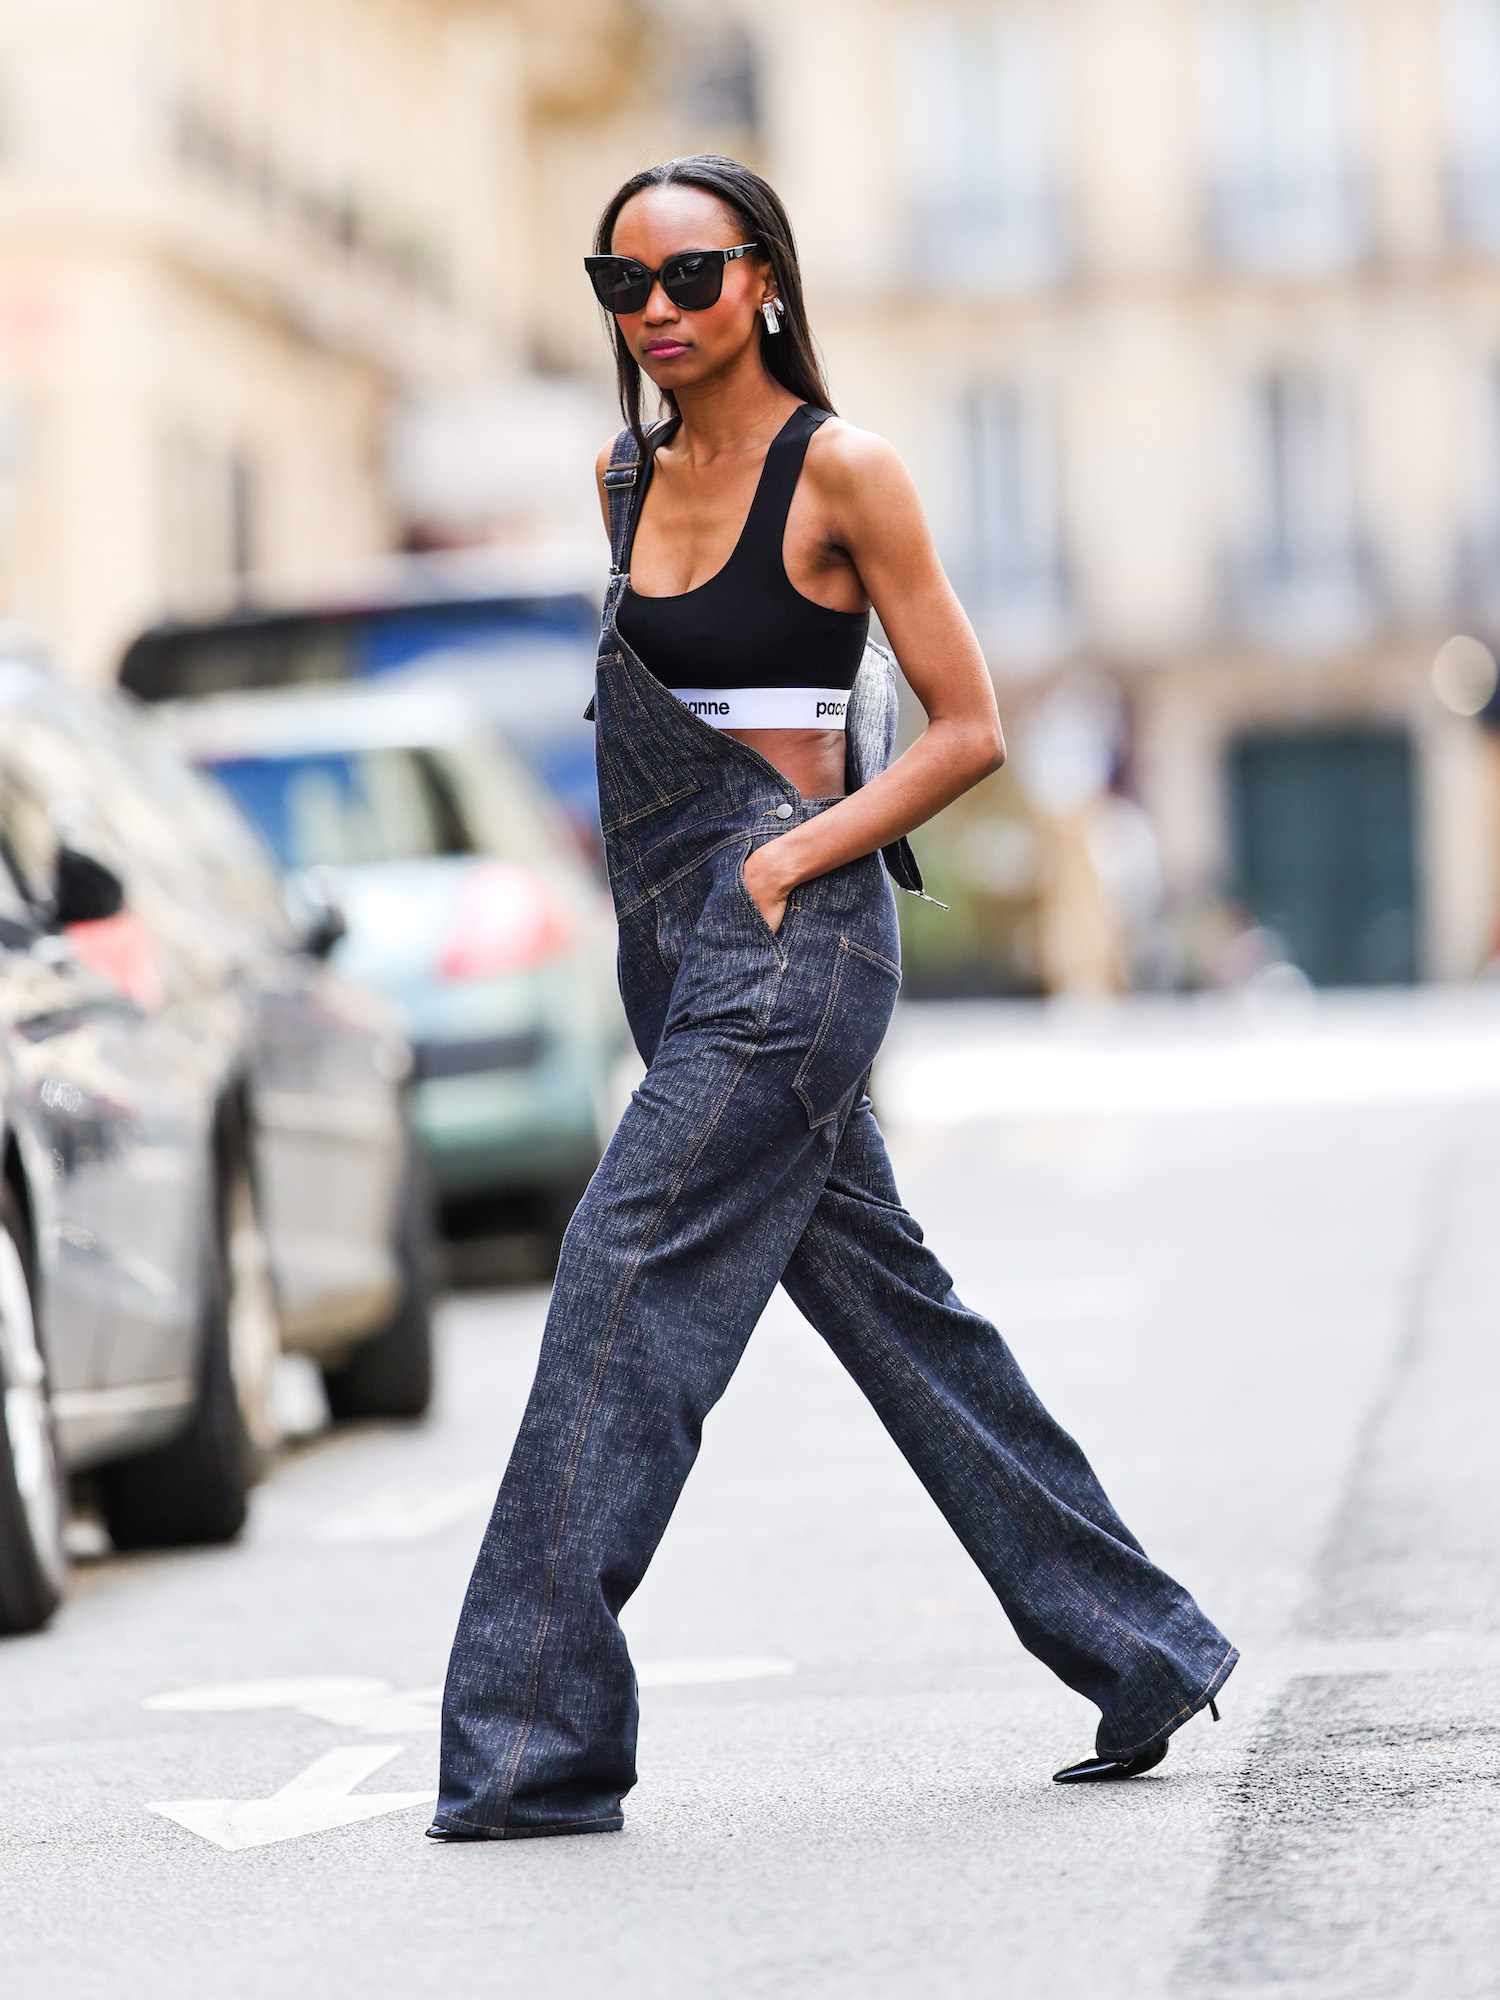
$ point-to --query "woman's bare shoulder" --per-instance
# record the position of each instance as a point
(606, 450)
(847, 459)
(602, 457)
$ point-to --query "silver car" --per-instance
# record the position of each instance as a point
(206, 1149)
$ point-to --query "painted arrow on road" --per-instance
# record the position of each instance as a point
(318, 1798)
(358, 1701)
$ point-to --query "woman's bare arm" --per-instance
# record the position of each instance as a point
(601, 464)
(874, 512)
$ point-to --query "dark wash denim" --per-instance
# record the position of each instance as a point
(749, 1154)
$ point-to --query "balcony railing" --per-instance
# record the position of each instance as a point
(1476, 571)
(1472, 190)
(1303, 595)
(1030, 605)
(987, 240)
(334, 219)
(1284, 222)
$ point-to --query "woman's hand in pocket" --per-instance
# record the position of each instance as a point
(767, 887)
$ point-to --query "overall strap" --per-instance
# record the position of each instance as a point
(619, 483)
(624, 487)
(623, 492)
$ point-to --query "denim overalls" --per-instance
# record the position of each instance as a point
(749, 1154)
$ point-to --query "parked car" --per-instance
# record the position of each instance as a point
(466, 902)
(141, 1355)
(518, 632)
(346, 1191)
(205, 1151)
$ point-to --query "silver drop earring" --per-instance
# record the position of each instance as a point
(771, 311)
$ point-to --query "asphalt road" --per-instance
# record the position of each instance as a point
(1250, 1258)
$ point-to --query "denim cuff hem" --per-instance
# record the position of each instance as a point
(1210, 1687)
(611, 1822)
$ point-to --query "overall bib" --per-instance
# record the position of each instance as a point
(749, 1154)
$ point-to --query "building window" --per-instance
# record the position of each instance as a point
(981, 97)
(1014, 565)
(242, 514)
(1478, 579)
(715, 74)
(17, 458)
(1301, 572)
(1285, 190)
(1471, 62)
(208, 516)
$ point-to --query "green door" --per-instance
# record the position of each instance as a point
(1323, 849)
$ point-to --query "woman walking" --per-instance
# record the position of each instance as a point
(751, 818)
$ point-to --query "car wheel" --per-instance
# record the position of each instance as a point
(254, 1314)
(33, 1486)
(608, 1103)
(557, 1204)
(390, 1374)
(195, 1487)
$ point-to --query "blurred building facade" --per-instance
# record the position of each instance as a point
(1186, 315)
(233, 233)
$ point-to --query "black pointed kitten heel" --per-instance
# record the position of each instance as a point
(1092, 1769)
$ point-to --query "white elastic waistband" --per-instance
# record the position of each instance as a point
(768, 708)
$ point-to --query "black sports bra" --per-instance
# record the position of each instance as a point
(749, 628)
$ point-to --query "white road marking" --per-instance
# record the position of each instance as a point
(697, 1673)
(400, 1514)
(86, 1538)
(350, 1701)
(310, 1694)
(300, 1401)
(982, 1076)
(357, 1701)
(315, 1800)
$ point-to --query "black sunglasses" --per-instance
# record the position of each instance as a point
(692, 279)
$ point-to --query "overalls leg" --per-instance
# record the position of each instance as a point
(665, 1267)
(1075, 1583)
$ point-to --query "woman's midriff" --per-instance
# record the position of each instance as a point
(812, 759)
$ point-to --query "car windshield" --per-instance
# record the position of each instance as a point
(344, 808)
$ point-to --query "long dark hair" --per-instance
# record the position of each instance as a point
(789, 354)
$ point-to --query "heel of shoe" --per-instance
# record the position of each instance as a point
(1213, 1709)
